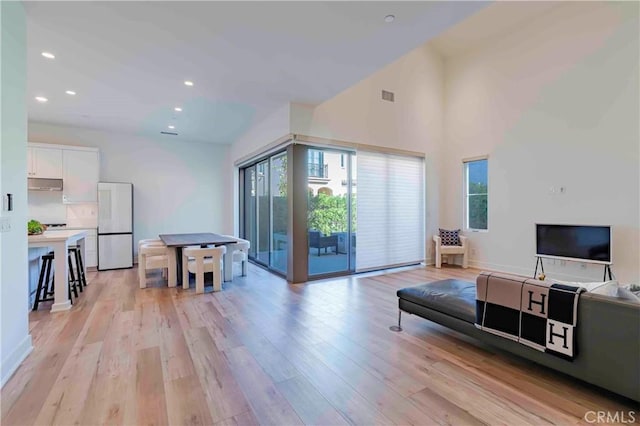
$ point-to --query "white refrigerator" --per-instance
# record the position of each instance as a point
(115, 225)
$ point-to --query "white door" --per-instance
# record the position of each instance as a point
(115, 251)
(114, 207)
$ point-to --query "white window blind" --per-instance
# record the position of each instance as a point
(390, 210)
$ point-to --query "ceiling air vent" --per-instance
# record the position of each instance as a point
(388, 96)
(169, 133)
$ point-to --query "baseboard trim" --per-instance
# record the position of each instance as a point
(528, 272)
(495, 267)
(11, 363)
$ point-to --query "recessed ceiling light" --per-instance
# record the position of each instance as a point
(70, 92)
(41, 99)
(389, 18)
(188, 83)
(48, 55)
(171, 127)
(177, 109)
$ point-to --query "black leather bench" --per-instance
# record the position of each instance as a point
(452, 297)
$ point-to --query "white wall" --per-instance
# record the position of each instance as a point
(178, 186)
(260, 134)
(15, 341)
(47, 207)
(553, 104)
(414, 122)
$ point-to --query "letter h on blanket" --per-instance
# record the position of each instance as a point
(535, 313)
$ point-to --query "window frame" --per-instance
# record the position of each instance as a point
(315, 161)
(466, 195)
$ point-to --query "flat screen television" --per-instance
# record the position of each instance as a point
(583, 243)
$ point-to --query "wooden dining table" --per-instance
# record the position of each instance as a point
(202, 239)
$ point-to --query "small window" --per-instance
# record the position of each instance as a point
(476, 194)
(317, 168)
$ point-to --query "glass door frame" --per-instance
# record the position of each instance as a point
(266, 184)
(272, 228)
(349, 164)
(243, 176)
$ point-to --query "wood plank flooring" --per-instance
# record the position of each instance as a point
(266, 352)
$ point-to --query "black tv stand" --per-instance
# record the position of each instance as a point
(538, 261)
(607, 267)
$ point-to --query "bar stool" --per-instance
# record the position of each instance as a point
(77, 255)
(46, 282)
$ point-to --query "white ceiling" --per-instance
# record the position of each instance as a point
(127, 60)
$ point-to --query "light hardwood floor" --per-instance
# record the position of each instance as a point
(265, 352)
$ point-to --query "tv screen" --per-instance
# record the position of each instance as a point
(580, 242)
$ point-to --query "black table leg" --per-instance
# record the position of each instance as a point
(179, 264)
(179, 260)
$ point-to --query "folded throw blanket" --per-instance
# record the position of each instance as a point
(532, 312)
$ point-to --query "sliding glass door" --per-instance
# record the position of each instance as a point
(279, 216)
(265, 211)
(249, 213)
(331, 211)
(262, 213)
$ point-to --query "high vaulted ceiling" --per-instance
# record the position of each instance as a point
(492, 22)
(127, 61)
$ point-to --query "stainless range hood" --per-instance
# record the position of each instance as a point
(40, 184)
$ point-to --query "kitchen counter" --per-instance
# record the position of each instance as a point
(56, 236)
(70, 228)
(59, 241)
(91, 242)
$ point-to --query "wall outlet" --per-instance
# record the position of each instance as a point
(563, 263)
(583, 266)
(473, 252)
(5, 224)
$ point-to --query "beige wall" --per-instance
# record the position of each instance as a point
(554, 104)
(413, 122)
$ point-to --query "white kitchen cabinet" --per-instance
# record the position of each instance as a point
(44, 163)
(80, 175)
